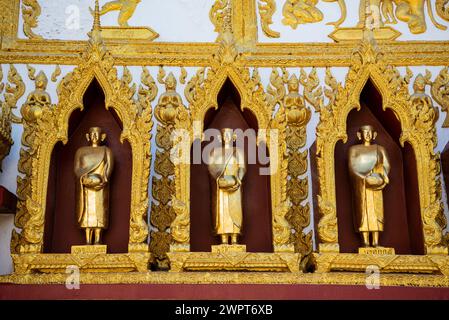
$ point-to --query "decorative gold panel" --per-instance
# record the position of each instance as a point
(45, 125)
(201, 92)
(416, 130)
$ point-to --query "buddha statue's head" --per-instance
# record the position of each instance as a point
(170, 82)
(95, 136)
(419, 86)
(367, 134)
(227, 136)
(293, 84)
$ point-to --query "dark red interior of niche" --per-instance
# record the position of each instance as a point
(257, 232)
(61, 229)
(403, 227)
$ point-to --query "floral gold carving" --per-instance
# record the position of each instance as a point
(170, 105)
(14, 89)
(266, 10)
(442, 9)
(440, 92)
(298, 115)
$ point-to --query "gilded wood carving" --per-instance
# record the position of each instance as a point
(45, 124)
(201, 92)
(416, 130)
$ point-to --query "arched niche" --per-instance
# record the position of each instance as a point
(403, 227)
(61, 228)
(257, 215)
(417, 137)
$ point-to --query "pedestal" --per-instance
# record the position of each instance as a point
(376, 250)
(229, 248)
(234, 258)
(90, 249)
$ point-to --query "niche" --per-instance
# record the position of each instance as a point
(256, 225)
(402, 217)
(61, 227)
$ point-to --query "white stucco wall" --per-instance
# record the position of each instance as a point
(6, 226)
(182, 21)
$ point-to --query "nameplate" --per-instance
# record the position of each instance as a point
(222, 248)
(93, 249)
(376, 251)
(128, 33)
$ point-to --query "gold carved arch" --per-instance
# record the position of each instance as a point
(51, 127)
(202, 93)
(368, 64)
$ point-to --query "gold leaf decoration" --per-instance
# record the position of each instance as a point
(266, 10)
(31, 10)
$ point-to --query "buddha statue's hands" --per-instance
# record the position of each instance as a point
(229, 183)
(374, 181)
(94, 181)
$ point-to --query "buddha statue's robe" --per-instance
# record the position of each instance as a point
(368, 168)
(93, 167)
(227, 171)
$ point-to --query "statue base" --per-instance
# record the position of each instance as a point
(229, 248)
(356, 34)
(233, 258)
(376, 250)
(84, 258)
(89, 249)
(129, 33)
(387, 263)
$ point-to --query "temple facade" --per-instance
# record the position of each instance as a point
(273, 142)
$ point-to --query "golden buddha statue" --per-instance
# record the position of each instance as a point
(93, 167)
(227, 168)
(37, 99)
(369, 168)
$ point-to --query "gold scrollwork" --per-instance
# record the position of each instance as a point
(31, 10)
(6, 115)
(440, 92)
(298, 115)
(162, 212)
(266, 10)
(442, 9)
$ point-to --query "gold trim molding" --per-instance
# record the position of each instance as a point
(332, 278)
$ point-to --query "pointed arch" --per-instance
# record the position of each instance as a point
(367, 64)
(251, 97)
